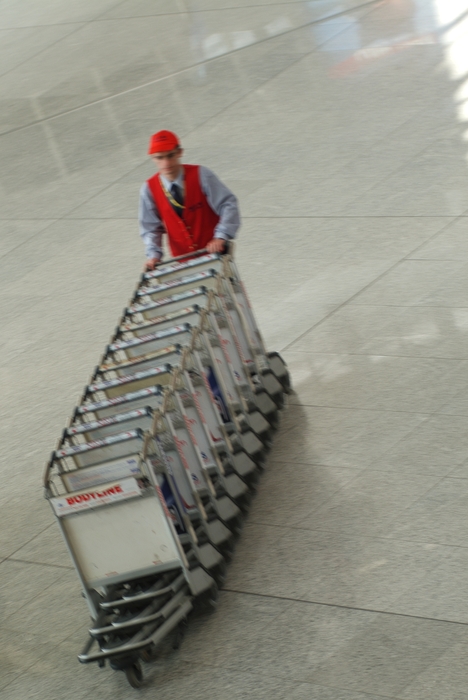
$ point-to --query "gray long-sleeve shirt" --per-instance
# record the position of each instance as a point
(220, 198)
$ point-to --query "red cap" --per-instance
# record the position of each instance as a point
(163, 141)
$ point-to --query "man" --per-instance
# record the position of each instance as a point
(188, 202)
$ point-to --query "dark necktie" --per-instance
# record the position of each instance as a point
(177, 195)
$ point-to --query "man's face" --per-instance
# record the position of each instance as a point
(168, 162)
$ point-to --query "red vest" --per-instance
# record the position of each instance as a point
(198, 222)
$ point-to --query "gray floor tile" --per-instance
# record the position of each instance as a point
(419, 283)
(19, 654)
(238, 621)
(415, 331)
(227, 684)
(437, 446)
(376, 382)
(46, 548)
(58, 670)
(442, 593)
(438, 517)
(344, 649)
(21, 44)
(340, 128)
(317, 692)
(403, 194)
(332, 567)
(350, 326)
(22, 525)
(38, 14)
(449, 244)
(296, 641)
(53, 613)
(372, 502)
(388, 655)
(458, 404)
(446, 678)
(339, 437)
(116, 202)
(22, 583)
(16, 233)
(289, 492)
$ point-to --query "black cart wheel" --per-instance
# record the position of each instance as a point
(179, 634)
(209, 599)
(134, 675)
(219, 573)
(236, 524)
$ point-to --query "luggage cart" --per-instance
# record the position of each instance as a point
(217, 333)
(164, 450)
(185, 483)
(195, 422)
(106, 395)
(253, 431)
(138, 580)
(218, 457)
(208, 556)
(198, 264)
(215, 498)
(251, 353)
(222, 367)
(208, 313)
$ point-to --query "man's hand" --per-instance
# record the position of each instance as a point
(216, 245)
(151, 264)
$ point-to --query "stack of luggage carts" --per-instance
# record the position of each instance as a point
(150, 481)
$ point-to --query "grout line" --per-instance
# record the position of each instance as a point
(344, 607)
(40, 563)
(379, 354)
(357, 536)
(362, 216)
(28, 601)
(46, 48)
(368, 286)
(102, 18)
(428, 414)
(192, 11)
(282, 218)
(363, 694)
(191, 67)
(194, 129)
(272, 460)
(213, 116)
(30, 540)
(27, 240)
(60, 24)
(412, 306)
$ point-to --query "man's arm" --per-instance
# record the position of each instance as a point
(224, 203)
(151, 227)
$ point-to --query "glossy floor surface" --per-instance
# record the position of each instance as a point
(342, 127)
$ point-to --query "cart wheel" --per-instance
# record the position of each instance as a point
(219, 573)
(236, 525)
(134, 675)
(227, 549)
(212, 601)
(245, 501)
(278, 365)
(179, 634)
(207, 602)
(209, 599)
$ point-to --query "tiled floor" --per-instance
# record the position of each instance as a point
(342, 127)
